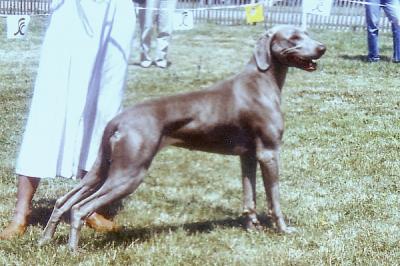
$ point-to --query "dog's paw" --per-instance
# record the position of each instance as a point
(252, 224)
(43, 241)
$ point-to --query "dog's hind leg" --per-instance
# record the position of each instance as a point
(117, 187)
(130, 158)
(249, 167)
(86, 187)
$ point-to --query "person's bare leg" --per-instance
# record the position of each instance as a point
(25, 191)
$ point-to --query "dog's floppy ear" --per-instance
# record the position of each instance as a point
(262, 52)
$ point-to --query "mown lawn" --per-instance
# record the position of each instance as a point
(339, 178)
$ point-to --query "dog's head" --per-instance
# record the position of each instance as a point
(288, 46)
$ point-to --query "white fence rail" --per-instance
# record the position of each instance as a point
(12, 7)
(345, 15)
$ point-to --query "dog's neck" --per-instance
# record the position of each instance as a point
(275, 71)
(278, 72)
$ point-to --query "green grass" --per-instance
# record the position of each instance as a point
(339, 178)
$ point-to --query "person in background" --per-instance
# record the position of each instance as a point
(392, 11)
(78, 89)
(164, 10)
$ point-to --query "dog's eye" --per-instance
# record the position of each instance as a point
(295, 38)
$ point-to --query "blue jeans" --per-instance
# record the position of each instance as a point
(392, 11)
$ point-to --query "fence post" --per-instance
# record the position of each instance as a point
(304, 20)
(303, 17)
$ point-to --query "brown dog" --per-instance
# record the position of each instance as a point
(238, 116)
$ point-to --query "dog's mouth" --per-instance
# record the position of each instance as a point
(303, 63)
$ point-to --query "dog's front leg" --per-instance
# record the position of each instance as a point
(269, 162)
(249, 166)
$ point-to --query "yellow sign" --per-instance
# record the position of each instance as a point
(254, 13)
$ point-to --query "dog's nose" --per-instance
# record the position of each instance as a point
(321, 49)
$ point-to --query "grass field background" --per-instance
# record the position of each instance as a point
(340, 163)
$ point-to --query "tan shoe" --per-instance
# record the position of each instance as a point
(13, 230)
(99, 223)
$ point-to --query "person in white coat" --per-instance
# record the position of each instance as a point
(78, 89)
(163, 11)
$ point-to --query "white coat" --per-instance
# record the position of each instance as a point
(79, 85)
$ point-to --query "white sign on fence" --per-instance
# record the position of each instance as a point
(183, 20)
(17, 26)
(317, 7)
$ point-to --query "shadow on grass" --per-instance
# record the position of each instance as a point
(41, 212)
(126, 236)
(364, 58)
(43, 208)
